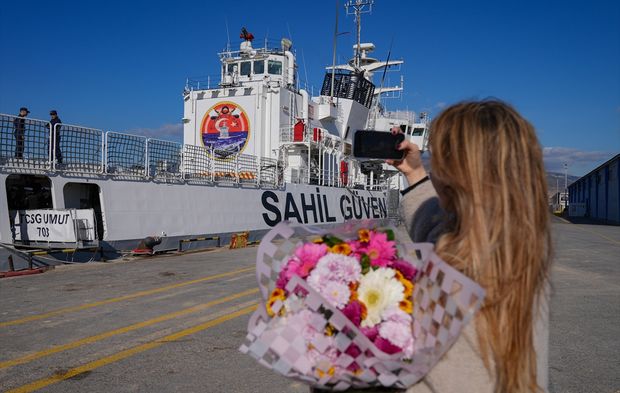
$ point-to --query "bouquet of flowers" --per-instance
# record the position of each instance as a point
(356, 305)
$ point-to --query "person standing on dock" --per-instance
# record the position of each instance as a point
(56, 130)
(19, 131)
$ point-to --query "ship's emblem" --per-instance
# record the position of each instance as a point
(225, 129)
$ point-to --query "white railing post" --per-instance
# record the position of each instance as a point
(237, 168)
(52, 146)
(146, 157)
(182, 162)
(102, 156)
(105, 147)
(211, 166)
(258, 170)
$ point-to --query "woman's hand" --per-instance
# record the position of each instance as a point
(411, 164)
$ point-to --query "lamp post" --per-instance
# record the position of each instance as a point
(565, 184)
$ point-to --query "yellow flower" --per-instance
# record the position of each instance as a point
(353, 289)
(406, 283)
(329, 372)
(342, 248)
(318, 240)
(276, 294)
(329, 330)
(364, 235)
(406, 306)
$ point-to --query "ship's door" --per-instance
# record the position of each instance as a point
(85, 196)
(25, 192)
(28, 192)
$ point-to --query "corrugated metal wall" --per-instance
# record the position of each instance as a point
(600, 191)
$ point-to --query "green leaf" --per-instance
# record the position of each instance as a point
(365, 262)
(390, 234)
(331, 240)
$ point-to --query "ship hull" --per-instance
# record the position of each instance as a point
(130, 210)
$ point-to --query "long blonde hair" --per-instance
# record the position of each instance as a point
(488, 169)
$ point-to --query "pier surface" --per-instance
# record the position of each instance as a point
(174, 323)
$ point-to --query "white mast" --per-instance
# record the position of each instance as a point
(359, 7)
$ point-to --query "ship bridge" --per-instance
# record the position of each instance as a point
(264, 64)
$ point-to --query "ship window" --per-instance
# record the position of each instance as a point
(246, 68)
(274, 67)
(231, 67)
(417, 131)
(259, 66)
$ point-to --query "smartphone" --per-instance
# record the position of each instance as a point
(377, 144)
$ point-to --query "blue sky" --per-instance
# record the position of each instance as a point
(122, 66)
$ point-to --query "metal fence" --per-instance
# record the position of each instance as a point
(125, 154)
(164, 158)
(77, 149)
(197, 164)
(30, 144)
(225, 169)
(269, 172)
(24, 142)
(247, 169)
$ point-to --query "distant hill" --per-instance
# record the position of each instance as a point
(555, 181)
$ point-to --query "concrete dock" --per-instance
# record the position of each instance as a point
(173, 323)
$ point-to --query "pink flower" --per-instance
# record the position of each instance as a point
(386, 346)
(336, 293)
(302, 263)
(338, 267)
(396, 314)
(353, 311)
(398, 334)
(309, 254)
(288, 271)
(407, 270)
(371, 333)
(380, 250)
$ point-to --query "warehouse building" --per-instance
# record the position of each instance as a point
(597, 194)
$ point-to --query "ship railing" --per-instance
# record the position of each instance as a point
(126, 155)
(307, 135)
(33, 145)
(202, 164)
(261, 46)
(197, 164)
(77, 149)
(164, 159)
(25, 143)
(269, 173)
(202, 82)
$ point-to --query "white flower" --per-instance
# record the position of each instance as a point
(378, 291)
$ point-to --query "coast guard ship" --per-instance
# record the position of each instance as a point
(257, 149)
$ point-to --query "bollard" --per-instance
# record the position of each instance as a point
(11, 266)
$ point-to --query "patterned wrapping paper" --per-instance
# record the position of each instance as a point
(444, 301)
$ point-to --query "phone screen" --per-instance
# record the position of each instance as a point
(377, 144)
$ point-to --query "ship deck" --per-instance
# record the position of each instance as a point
(174, 323)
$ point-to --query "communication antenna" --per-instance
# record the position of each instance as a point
(331, 93)
(387, 62)
(357, 8)
(305, 68)
(227, 36)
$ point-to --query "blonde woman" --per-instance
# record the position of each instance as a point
(485, 207)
